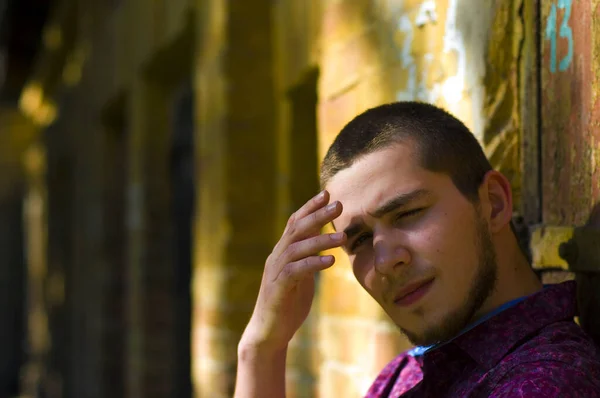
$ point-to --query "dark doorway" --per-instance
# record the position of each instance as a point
(304, 164)
(115, 241)
(183, 199)
(12, 282)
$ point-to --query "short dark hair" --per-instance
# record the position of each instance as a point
(443, 143)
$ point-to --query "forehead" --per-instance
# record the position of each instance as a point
(379, 176)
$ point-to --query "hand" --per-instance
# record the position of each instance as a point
(288, 282)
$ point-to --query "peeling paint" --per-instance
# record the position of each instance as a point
(453, 75)
(453, 87)
(408, 62)
(427, 14)
(415, 83)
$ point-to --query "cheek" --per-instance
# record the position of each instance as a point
(362, 267)
(454, 254)
(360, 270)
(448, 245)
(445, 236)
(430, 245)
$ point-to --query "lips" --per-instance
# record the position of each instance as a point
(413, 292)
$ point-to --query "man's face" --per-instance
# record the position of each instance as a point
(416, 244)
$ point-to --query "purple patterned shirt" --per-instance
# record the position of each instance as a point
(532, 349)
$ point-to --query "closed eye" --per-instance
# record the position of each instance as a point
(362, 238)
(366, 236)
(408, 214)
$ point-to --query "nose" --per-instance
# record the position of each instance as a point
(390, 253)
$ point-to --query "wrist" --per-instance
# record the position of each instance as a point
(249, 349)
(257, 341)
(260, 370)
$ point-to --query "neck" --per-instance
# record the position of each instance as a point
(515, 278)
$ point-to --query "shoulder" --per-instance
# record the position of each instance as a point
(548, 378)
(561, 361)
(561, 342)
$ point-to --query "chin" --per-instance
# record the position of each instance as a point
(421, 339)
(435, 332)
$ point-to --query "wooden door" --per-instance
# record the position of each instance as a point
(569, 146)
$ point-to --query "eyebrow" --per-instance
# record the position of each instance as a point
(395, 203)
(399, 201)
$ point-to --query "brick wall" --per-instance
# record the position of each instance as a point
(274, 83)
(365, 53)
(376, 52)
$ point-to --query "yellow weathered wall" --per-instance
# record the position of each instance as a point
(459, 54)
(246, 61)
(247, 58)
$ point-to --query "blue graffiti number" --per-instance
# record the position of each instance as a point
(564, 32)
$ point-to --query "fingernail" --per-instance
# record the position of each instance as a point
(337, 236)
(331, 207)
(326, 259)
(321, 195)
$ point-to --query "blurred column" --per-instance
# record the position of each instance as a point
(150, 266)
(235, 227)
(35, 212)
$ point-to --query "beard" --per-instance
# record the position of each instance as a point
(481, 288)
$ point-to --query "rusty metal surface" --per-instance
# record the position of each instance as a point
(545, 243)
(565, 248)
(559, 253)
(582, 251)
(570, 109)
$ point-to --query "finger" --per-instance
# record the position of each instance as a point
(312, 224)
(313, 246)
(314, 204)
(298, 270)
(301, 227)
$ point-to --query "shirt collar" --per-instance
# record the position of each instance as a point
(488, 342)
(422, 350)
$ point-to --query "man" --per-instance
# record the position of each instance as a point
(426, 224)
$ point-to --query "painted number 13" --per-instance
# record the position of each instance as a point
(564, 32)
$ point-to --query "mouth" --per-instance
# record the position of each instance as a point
(413, 292)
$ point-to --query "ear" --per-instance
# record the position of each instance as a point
(496, 199)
